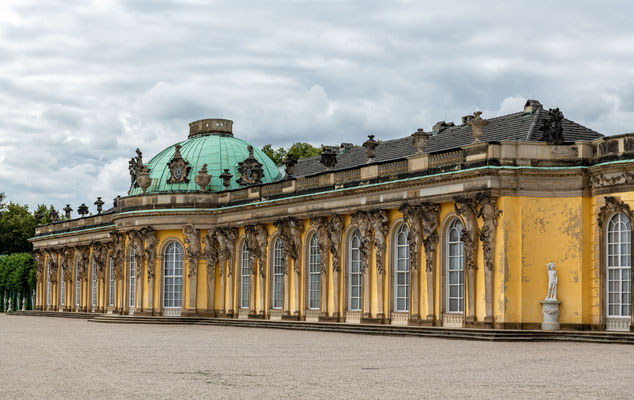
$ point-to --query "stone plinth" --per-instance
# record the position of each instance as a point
(550, 315)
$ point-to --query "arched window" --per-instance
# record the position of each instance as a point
(244, 277)
(77, 284)
(48, 285)
(354, 272)
(173, 276)
(314, 273)
(619, 266)
(111, 285)
(278, 275)
(62, 287)
(455, 267)
(401, 270)
(94, 284)
(132, 279)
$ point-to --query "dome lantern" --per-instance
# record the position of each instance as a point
(211, 126)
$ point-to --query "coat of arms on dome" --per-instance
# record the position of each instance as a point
(250, 169)
(179, 168)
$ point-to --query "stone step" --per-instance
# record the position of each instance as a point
(369, 329)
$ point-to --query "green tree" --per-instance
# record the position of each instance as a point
(298, 150)
(17, 275)
(17, 225)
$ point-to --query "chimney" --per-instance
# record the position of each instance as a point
(441, 126)
(531, 106)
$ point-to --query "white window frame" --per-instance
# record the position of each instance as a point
(48, 285)
(314, 273)
(401, 275)
(132, 279)
(618, 267)
(62, 287)
(245, 283)
(111, 286)
(454, 265)
(277, 300)
(77, 284)
(173, 276)
(354, 270)
(94, 283)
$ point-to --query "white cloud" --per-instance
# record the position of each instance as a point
(85, 84)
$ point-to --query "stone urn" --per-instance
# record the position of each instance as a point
(144, 179)
(202, 178)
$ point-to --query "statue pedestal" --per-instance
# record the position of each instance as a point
(550, 315)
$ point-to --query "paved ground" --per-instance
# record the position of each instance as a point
(65, 358)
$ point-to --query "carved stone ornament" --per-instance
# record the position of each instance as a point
(290, 230)
(323, 241)
(38, 255)
(179, 168)
(370, 147)
(379, 221)
(67, 210)
(335, 230)
(210, 251)
(362, 220)
(134, 167)
(202, 178)
(620, 177)
(67, 255)
(467, 209)
(83, 253)
(99, 203)
(53, 215)
(613, 205)
(192, 243)
(420, 140)
(489, 213)
(256, 240)
(477, 123)
(226, 179)
(289, 163)
(412, 215)
(226, 238)
(117, 251)
(552, 129)
(52, 265)
(430, 221)
(143, 179)
(251, 171)
(329, 156)
(98, 254)
(151, 245)
(136, 243)
(82, 210)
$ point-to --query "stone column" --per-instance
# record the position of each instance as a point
(287, 288)
(366, 291)
(223, 285)
(192, 241)
(252, 287)
(262, 266)
(211, 287)
(489, 214)
(151, 245)
(230, 283)
(430, 219)
(379, 223)
(335, 230)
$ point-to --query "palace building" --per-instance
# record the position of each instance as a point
(453, 227)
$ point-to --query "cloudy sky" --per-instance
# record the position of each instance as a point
(82, 84)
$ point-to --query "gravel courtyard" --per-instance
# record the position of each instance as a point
(67, 358)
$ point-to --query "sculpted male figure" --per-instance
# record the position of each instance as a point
(552, 282)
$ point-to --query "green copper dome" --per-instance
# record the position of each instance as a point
(216, 148)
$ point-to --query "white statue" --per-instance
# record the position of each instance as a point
(552, 282)
(24, 303)
(10, 309)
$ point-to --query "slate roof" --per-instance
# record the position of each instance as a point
(520, 126)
